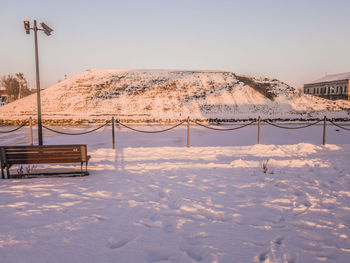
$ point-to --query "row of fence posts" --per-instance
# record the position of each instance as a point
(259, 131)
(188, 131)
(324, 129)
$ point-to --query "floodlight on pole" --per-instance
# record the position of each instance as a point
(47, 30)
(27, 26)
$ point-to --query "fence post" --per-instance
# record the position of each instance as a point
(31, 131)
(113, 138)
(324, 129)
(259, 129)
(188, 131)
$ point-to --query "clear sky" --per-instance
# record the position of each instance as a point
(294, 41)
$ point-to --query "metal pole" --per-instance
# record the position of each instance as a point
(324, 129)
(259, 129)
(113, 138)
(188, 131)
(40, 128)
(31, 131)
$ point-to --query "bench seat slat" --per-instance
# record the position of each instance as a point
(42, 150)
(46, 161)
(43, 146)
(41, 155)
(43, 158)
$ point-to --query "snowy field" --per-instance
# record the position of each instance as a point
(155, 200)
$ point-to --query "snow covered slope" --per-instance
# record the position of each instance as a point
(171, 94)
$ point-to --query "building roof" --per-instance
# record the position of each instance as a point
(332, 77)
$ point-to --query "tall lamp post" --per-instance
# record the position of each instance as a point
(47, 30)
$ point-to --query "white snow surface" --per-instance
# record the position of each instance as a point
(166, 94)
(154, 200)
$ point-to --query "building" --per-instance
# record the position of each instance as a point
(3, 96)
(333, 87)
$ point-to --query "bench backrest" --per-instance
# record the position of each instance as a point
(43, 154)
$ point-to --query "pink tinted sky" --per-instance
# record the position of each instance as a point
(294, 41)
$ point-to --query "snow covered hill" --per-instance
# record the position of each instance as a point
(145, 94)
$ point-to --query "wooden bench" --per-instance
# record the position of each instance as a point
(46, 154)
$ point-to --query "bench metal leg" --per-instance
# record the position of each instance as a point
(8, 172)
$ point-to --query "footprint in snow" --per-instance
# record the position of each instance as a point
(263, 256)
(306, 203)
(148, 222)
(297, 193)
(279, 240)
(99, 217)
(195, 238)
(193, 253)
(169, 225)
(155, 255)
(115, 244)
(199, 235)
(288, 258)
(162, 194)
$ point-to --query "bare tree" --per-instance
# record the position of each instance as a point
(16, 87)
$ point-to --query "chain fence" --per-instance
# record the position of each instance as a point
(137, 130)
(250, 121)
(337, 125)
(224, 129)
(78, 133)
(16, 129)
(291, 128)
